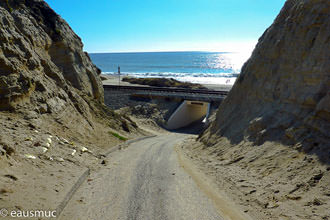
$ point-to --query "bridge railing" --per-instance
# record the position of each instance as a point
(167, 89)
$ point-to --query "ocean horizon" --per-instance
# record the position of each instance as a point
(189, 66)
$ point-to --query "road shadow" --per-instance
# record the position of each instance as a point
(194, 128)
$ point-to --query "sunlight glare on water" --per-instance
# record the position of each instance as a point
(198, 67)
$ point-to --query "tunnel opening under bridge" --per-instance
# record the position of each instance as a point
(188, 113)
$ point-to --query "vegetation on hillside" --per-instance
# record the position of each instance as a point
(118, 136)
(163, 82)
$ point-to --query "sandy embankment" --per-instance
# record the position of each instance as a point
(114, 80)
(262, 185)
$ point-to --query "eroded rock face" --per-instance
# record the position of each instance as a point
(283, 92)
(41, 59)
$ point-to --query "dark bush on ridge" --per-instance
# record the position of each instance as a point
(163, 82)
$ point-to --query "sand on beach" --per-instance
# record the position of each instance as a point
(114, 80)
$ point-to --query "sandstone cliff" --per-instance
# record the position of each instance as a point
(283, 91)
(270, 141)
(46, 77)
(40, 52)
(53, 122)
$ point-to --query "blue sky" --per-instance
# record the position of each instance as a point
(168, 25)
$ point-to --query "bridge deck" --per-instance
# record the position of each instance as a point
(185, 96)
(189, 94)
(165, 89)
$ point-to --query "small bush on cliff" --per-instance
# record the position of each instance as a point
(118, 136)
(9, 7)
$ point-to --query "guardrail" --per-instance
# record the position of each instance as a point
(166, 89)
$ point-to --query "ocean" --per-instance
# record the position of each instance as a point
(197, 67)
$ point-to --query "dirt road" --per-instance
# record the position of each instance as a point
(142, 181)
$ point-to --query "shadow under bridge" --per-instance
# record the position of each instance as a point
(187, 113)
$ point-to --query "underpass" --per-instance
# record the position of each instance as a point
(193, 104)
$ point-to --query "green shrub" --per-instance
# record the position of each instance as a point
(118, 136)
(58, 31)
(9, 7)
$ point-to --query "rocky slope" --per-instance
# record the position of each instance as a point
(283, 92)
(44, 72)
(274, 126)
(39, 51)
(53, 121)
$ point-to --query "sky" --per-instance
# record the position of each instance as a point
(168, 25)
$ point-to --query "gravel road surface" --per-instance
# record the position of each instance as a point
(142, 181)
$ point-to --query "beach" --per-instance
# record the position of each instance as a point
(114, 80)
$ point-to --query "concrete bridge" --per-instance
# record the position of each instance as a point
(196, 104)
